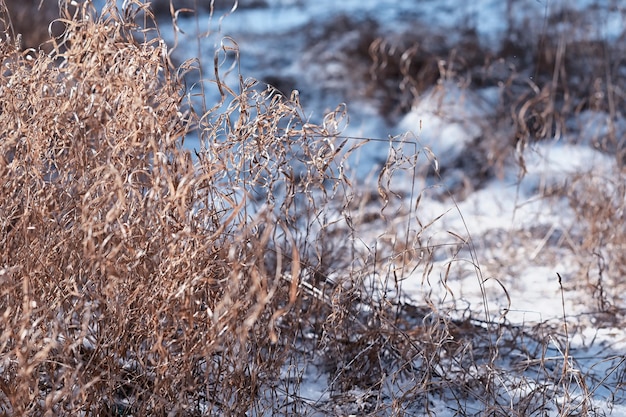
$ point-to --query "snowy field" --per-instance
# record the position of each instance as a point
(518, 215)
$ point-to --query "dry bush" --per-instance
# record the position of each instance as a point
(133, 282)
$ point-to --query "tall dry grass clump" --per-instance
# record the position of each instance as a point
(133, 281)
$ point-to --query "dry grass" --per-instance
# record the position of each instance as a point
(138, 279)
(127, 272)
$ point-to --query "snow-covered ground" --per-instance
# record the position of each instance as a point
(520, 237)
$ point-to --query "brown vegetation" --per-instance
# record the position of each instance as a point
(139, 279)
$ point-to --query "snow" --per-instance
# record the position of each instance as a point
(446, 119)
